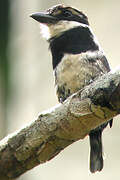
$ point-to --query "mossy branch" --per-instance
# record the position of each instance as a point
(52, 131)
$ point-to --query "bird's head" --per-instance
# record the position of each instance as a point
(58, 19)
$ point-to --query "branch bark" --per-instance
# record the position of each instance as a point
(52, 131)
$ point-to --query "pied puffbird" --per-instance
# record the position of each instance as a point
(77, 60)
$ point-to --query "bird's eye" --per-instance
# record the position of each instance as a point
(67, 13)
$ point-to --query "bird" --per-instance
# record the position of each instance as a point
(77, 61)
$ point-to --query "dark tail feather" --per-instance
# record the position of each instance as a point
(110, 123)
(96, 159)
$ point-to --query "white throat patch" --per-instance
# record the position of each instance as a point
(52, 30)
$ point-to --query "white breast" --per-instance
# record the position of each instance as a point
(75, 71)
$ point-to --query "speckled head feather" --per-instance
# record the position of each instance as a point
(68, 13)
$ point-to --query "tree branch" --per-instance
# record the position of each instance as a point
(52, 131)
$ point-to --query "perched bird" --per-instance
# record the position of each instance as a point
(77, 60)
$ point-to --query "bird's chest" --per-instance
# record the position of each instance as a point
(72, 74)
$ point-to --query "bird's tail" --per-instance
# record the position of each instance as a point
(96, 159)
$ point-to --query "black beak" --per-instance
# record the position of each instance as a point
(44, 18)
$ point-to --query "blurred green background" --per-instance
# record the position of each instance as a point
(27, 82)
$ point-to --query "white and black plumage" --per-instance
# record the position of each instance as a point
(77, 61)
